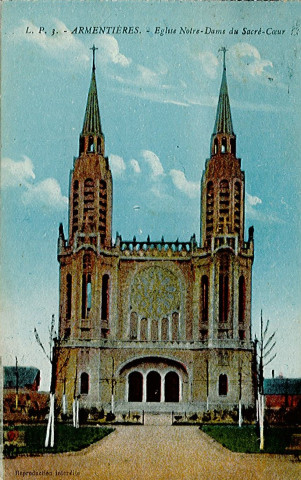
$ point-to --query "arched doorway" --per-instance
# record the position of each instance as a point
(135, 380)
(153, 387)
(171, 389)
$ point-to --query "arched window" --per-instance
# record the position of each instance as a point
(143, 329)
(223, 385)
(241, 299)
(89, 295)
(82, 145)
(209, 209)
(86, 295)
(75, 206)
(164, 329)
(102, 206)
(224, 206)
(91, 144)
(135, 387)
(224, 289)
(153, 387)
(69, 296)
(89, 202)
(233, 146)
(154, 330)
(204, 298)
(133, 325)
(223, 298)
(175, 326)
(98, 145)
(237, 206)
(84, 383)
(172, 387)
(224, 145)
(105, 297)
(215, 146)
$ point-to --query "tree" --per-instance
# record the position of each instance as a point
(52, 359)
(266, 346)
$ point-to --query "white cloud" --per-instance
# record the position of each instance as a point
(47, 192)
(160, 96)
(135, 166)
(253, 200)
(147, 76)
(154, 162)
(180, 181)
(110, 51)
(117, 165)
(209, 63)
(64, 43)
(256, 214)
(246, 61)
(15, 174)
(59, 45)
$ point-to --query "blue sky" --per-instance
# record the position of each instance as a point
(158, 96)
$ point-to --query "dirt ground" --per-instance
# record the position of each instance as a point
(153, 452)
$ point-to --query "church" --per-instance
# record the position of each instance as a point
(154, 325)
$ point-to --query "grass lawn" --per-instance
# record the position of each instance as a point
(245, 439)
(67, 438)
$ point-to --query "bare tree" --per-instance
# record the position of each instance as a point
(52, 359)
(265, 355)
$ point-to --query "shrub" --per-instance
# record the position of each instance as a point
(110, 417)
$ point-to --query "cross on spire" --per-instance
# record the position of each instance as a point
(93, 49)
(224, 50)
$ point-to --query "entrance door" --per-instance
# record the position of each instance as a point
(135, 387)
(153, 387)
(172, 387)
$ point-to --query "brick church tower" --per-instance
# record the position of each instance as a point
(154, 325)
(222, 230)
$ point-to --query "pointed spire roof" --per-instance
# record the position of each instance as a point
(223, 121)
(92, 123)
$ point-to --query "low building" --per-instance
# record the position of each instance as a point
(282, 392)
(22, 402)
(22, 378)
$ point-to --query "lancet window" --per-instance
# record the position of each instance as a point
(133, 326)
(105, 297)
(209, 209)
(241, 299)
(237, 206)
(69, 296)
(86, 295)
(204, 298)
(84, 383)
(223, 385)
(224, 289)
(102, 207)
(164, 329)
(75, 206)
(175, 326)
(224, 207)
(89, 202)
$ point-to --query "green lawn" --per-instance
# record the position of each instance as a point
(245, 439)
(67, 438)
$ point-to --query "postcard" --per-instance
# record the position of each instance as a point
(150, 183)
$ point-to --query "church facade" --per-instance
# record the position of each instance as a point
(155, 325)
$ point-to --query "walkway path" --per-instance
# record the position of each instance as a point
(155, 453)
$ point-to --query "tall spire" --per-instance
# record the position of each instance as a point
(223, 121)
(92, 125)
